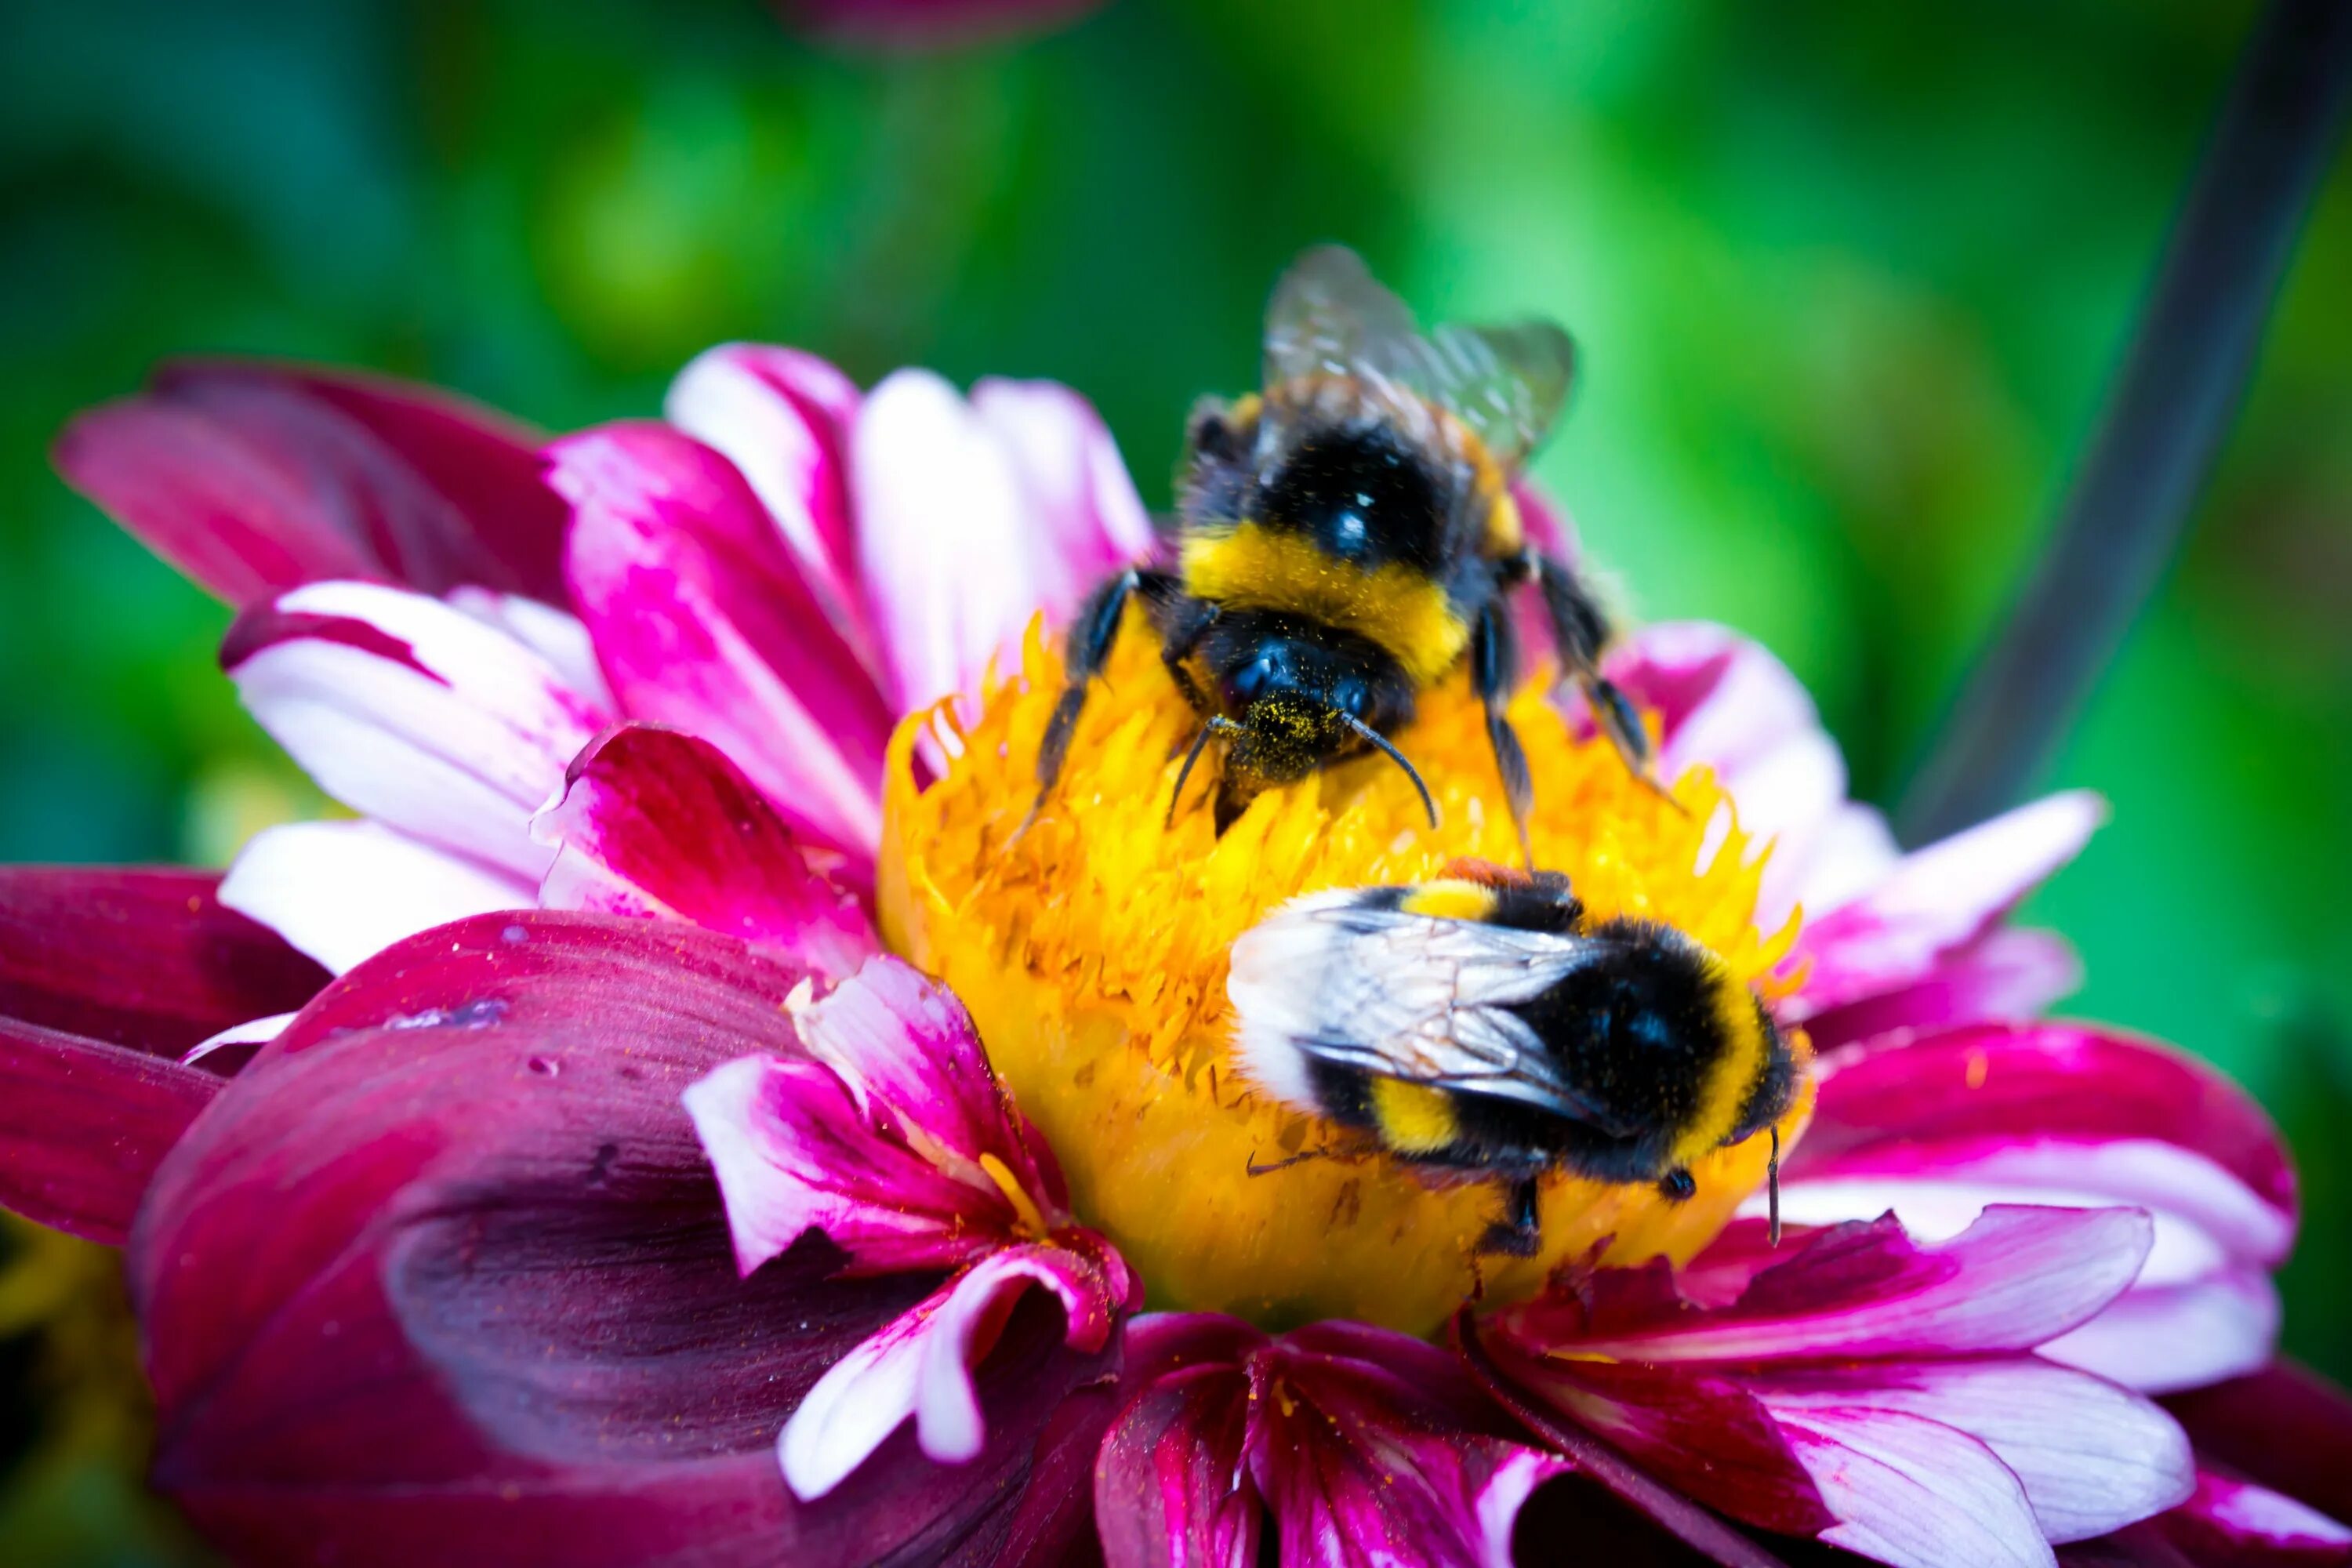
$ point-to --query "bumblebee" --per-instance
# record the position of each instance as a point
(1481, 1027)
(1346, 537)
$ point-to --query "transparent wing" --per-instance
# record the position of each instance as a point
(1329, 317)
(1413, 997)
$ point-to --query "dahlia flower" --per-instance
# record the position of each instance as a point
(726, 1137)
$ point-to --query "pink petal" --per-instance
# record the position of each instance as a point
(794, 1152)
(149, 959)
(920, 1365)
(1171, 1485)
(655, 823)
(2164, 1338)
(2091, 1456)
(703, 620)
(1086, 522)
(1916, 1493)
(945, 539)
(2013, 1279)
(84, 1124)
(900, 1040)
(2008, 975)
(342, 891)
(253, 1032)
(415, 713)
(783, 417)
(1935, 901)
(2234, 1521)
(559, 637)
(255, 478)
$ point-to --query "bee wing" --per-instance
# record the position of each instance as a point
(1406, 996)
(1329, 317)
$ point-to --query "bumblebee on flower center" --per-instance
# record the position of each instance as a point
(1092, 950)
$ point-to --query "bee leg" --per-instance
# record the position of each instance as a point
(1581, 631)
(1678, 1187)
(1519, 1233)
(1493, 666)
(1090, 645)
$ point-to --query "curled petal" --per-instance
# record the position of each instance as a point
(255, 478)
(150, 960)
(415, 713)
(1936, 902)
(920, 1364)
(655, 823)
(703, 619)
(2091, 1456)
(783, 416)
(341, 891)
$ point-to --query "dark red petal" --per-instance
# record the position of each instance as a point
(253, 477)
(2285, 1426)
(83, 1125)
(444, 1277)
(1674, 1513)
(145, 959)
(1171, 1484)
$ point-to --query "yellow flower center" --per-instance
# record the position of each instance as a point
(1091, 952)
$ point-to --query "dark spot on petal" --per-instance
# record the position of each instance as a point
(601, 1171)
(546, 1066)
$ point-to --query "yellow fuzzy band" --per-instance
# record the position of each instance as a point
(1253, 567)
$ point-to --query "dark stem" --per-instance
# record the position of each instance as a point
(2163, 425)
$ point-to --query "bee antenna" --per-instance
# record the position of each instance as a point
(1772, 1185)
(1380, 740)
(1216, 724)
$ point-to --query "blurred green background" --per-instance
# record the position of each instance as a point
(1849, 279)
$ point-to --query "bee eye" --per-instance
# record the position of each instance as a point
(1352, 696)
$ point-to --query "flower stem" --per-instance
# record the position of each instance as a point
(2165, 417)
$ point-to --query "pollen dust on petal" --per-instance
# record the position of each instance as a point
(1091, 950)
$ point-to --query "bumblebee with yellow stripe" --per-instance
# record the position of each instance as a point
(1481, 1027)
(1348, 536)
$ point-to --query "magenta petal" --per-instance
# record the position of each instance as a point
(2034, 1082)
(703, 620)
(2161, 1339)
(2008, 975)
(2015, 1278)
(145, 959)
(1367, 1463)
(2247, 1526)
(657, 823)
(921, 1363)
(1171, 1485)
(257, 478)
(415, 713)
(783, 417)
(1935, 901)
(83, 1125)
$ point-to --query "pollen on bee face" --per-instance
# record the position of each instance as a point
(1092, 950)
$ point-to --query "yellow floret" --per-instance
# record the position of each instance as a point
(1091, 952)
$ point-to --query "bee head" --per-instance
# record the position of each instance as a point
(1300, 698)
